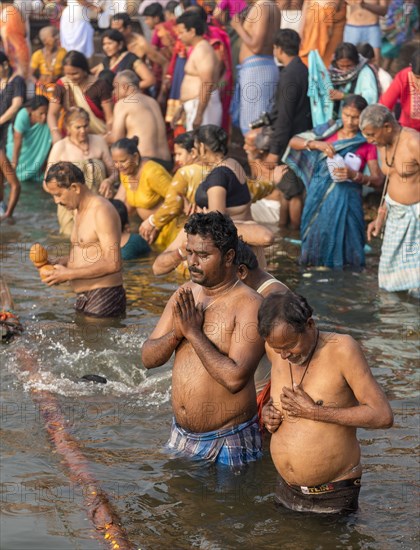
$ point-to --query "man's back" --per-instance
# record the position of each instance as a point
(262, 21)
(142, 117)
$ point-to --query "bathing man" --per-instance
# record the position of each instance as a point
(322, 390)
(210, 323)
(93, 266)
(399, 150)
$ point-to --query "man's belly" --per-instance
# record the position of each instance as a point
(408, 193)
(361, 17)
(310, 453)
(190, 87)
(201, 404)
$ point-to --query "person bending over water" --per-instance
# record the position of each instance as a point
(215, 416)
(94, 264)
(322, 390)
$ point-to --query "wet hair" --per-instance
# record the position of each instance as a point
(245, 256)
(130, 145)
(130, 76)
(124, 17)
(346, 50)
(115, 36)
(216, 225)
(288, 40)
(214, 137)
(199, 10)
(376, 116)
(354, 100)
(154, 10)
(185, 140)
(65, 173)
(36, 102)
(415, 62)
(121, 208)
(283, 307)
(192, 20)
(74, 113)
(77, 60)
(171, 6)
(366, 50)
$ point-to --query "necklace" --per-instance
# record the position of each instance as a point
(49, 65)
(222, 294)
(85, 150)
(309, 362)
(395, 150)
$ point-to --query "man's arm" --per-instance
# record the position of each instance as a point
(206, 71)
(163, 341)
(373, 410)
(233, 371)
(118, 124)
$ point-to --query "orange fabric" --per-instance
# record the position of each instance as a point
(262, 399)
(13, 33)
(323, 29)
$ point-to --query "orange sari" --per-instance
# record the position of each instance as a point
(13, 36)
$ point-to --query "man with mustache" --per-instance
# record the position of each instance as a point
(210, 324)
(94, 265)
(322, 390)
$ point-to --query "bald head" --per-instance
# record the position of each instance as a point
(48, 33)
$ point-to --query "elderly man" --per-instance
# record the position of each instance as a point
(210, 323)
(136, 114)
(93, 266)
(399, 149)
(322, 390)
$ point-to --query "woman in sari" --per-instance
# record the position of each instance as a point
(144, 185)
(13, 37)
(29, 140)
(90, 153)
(12, 96)
(79, 88)
(333, 228)
(118, 59)
(184, 184)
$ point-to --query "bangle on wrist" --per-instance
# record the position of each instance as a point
(306, 144)
(151, 221)
(55, 129)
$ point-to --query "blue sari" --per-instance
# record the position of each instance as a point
(332, 227)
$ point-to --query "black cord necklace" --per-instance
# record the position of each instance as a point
(309, 361)
(395, 150)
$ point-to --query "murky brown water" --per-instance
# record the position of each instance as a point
(122, 427)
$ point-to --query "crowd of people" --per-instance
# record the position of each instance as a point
(139, 134)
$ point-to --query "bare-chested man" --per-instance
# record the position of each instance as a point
(94, 264)
(362, 23)
(200, 100)
(136, 114)
(210, 323)
(399, 149)
(258, 74)
(322, 390)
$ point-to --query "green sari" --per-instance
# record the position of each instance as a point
(36, 143)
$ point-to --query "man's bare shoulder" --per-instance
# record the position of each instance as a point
(412, 141)
(343, 346)
(245, 297)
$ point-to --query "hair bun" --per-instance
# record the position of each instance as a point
(135, 140)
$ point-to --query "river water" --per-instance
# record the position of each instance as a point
(121, 427)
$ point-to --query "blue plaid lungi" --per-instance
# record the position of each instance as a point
(256, 86)
(399, 265)
(235, 446)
